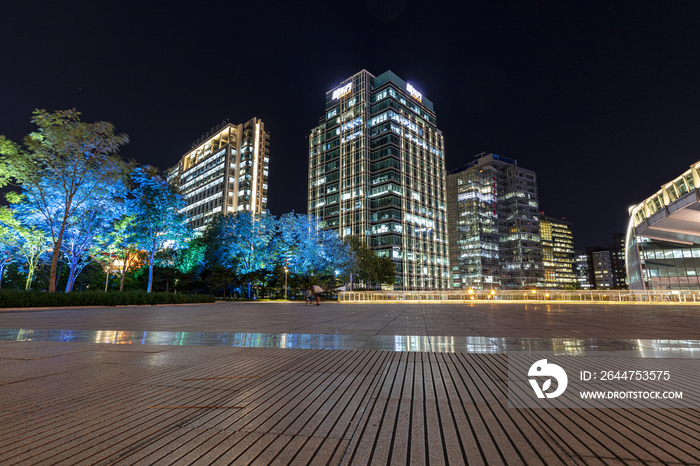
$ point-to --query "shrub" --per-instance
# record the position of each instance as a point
(12, 298)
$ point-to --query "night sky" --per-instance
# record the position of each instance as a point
(602, 100)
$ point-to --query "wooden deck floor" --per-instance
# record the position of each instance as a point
(86, 403)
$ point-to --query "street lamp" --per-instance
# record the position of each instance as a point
(285, 282)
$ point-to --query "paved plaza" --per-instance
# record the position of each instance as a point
(282, 383)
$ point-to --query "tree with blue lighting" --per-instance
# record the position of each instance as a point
(245, 240)
(32, 240)
(158, 223)
(76, 159)
(308, 250)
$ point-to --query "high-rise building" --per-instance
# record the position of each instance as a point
(226, 171)
(510, 191)
(607, 265)
(583, 275)
(377, 172)
(473, 228)
(617, 261)
(558, 254)
(602, 270)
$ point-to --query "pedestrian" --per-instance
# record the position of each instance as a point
(317, 290)
(309, 293)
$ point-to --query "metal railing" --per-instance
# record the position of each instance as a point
(577, 296)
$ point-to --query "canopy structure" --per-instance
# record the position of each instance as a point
(673, 213)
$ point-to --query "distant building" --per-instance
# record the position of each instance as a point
(473, 228)
(662, 246)
(583, 275)
(377, 172)
(558, 255)
(602, 270)
(487, 195)
(606, 265)
(226, 171)
(617, 262)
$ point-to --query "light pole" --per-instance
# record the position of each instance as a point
(285, 283)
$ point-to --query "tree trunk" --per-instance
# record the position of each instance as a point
(150, 273)
(30, 276)
(167, 285)
(71, 277)
(2, 272)
(109, 271)
(57, 251)
(125, 267)
(59, 271)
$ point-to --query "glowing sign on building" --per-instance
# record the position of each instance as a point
(416, 95)
(341, 91)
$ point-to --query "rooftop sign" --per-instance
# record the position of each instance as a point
(412, 90)
(341, 91)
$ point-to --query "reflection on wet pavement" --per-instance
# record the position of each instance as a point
(440, 344)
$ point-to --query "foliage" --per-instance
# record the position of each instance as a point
(242, 241)
(11, 298)
(369, 267)
(307, 250)
(74, 159)
(159, 223)
(9, 240)
(30, 240)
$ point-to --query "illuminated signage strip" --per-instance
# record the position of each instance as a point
(416, 95)
(341, 91)
(256, 156)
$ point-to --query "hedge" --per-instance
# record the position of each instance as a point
(12, 298)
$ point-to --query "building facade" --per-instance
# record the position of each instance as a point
(473, 228)
(377, 172)
(602, 270)
(558, 255)
(226, 171)
(617, 262)
(493, 191)
(662, 245)
(583, 275)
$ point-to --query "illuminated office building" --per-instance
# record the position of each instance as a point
(473, 227)
(377, 172)
(226, 171)
(662, 246)
(583, 275)
(494, 216)
(558, 256)
(607, 265)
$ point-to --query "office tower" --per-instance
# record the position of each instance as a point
(607, 265)
(473, 228)
(617, 261)
(583, 275)
(516, 214)
(226, 171)
(602, 270)
(662, 246)
(377, 172)
(558, 254)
